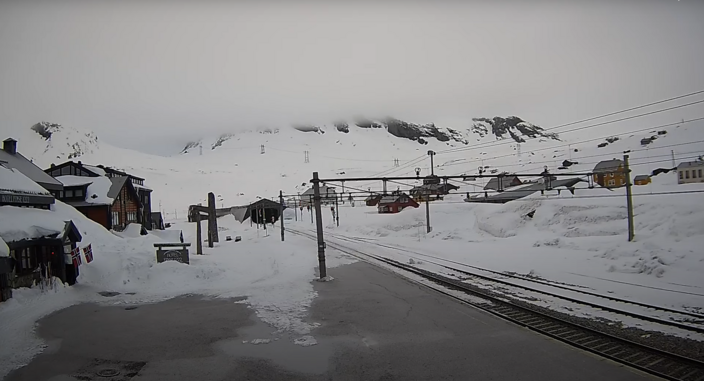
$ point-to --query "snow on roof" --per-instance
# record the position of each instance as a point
(688, 164)
(99, 189)
(18, 223)
(608, 165)
(22, 164)
(97, 170)
(72, 181)
(12, 180)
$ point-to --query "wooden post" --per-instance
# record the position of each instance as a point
(199, 235)
(281, 213)
(337, 210)
(629, 198)
(319, 226)
(212, 221)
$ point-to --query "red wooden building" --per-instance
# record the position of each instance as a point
(395, 203)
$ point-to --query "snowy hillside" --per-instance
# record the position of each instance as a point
(234, 167)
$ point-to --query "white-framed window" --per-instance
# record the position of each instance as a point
(686, 174)
(78, 192)
(131, 216)
(116, 218)
(681, 175)
(700, 173)
(611, 182)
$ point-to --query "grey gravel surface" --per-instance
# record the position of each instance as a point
(374, 325)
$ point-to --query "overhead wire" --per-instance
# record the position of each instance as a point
(492, 144)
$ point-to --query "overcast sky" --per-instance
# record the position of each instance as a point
(135, 71)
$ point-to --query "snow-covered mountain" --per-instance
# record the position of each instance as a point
(496, 128)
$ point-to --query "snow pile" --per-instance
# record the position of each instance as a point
(12, 180)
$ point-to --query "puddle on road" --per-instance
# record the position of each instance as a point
(259, 341)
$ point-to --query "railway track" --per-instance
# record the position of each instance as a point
(677, 318)
(658, 362)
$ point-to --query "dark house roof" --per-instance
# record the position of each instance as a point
(608, 166)
(506, 181)
(524, 191)
(393, 198)
(17, 161)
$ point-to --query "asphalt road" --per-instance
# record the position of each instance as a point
(374, 326)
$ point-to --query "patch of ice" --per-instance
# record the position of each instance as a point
(305, 341)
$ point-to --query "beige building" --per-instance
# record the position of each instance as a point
(690, 172)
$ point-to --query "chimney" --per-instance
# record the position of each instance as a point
(10, 146)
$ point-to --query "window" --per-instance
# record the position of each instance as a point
(65, 171)
(611, 182)
(131, 216)
(694, 174)
(116, 218)
(686, 174)
(68, 193)
(611, 174)
(25, 259)
(700, 173)
(78, 193)
(681, 175)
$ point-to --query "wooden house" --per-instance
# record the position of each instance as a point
(610, 173)
(373, 199)
(503, 182)
(99, 193)
(327, 196)
(642, 180)
(157, 221)
(433, 191)
(395, 203)
(34, 240)
(690, 172)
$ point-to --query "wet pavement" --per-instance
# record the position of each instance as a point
(373, 326)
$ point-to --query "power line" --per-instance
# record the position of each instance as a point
(629, 109)
(577, 128)
(589, 140)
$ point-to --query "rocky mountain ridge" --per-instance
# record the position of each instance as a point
(511, 127)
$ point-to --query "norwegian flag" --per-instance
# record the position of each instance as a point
(88, 252)
(76, 255)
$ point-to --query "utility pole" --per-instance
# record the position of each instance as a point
(427, 213)
(281, 214)
(319, 226)
(199, 235)
(629, 198)
(262, 149)
(310, 205)
(672, 152)
(432, 168)
(306, 157)
(337, 210)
